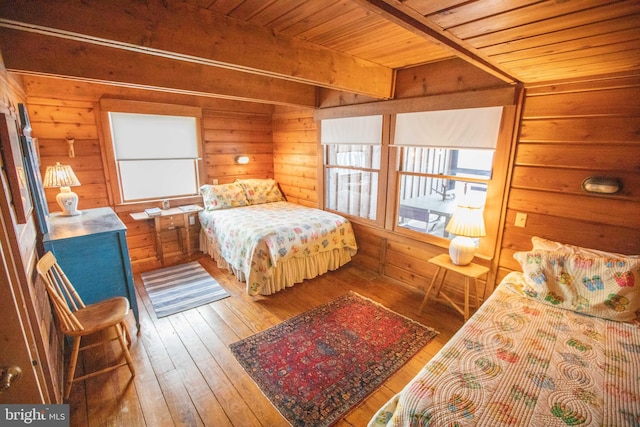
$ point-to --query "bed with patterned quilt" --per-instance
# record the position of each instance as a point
(557, 344)
(268, 243)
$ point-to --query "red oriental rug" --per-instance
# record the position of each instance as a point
(318, 365)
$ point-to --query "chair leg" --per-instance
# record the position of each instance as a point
(73, 360)
(126, 332)
(125, 350)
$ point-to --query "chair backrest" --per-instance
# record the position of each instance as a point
(63, 296)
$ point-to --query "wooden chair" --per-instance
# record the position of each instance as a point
(78, 320)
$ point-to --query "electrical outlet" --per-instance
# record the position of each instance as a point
(521, 219)
(215, 181)
(192, 220)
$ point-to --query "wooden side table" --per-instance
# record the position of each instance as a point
(469, 271)
(172, 219)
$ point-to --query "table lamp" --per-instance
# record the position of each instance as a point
(62, 176)
(466, 223)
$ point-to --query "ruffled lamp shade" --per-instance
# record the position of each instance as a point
(63, 177)
(466, 223)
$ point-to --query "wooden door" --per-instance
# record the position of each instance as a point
(15, 348)
(19, 345)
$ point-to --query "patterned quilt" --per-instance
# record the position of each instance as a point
(518, 362)
(253, 239)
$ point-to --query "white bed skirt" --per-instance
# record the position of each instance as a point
(287, 272)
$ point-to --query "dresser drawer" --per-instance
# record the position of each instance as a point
(171, 221)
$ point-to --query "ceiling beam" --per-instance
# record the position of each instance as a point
(37, 54)
(182, 32)
(400, 14)
(41, 87)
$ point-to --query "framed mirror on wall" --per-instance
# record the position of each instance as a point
(13, 165)
(32, 169)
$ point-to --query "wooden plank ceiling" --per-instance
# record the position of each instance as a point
(280, 51)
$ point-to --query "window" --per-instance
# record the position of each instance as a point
(434, 181)
(156, 155)
(446, 159)
(408, 172)
(352, 159)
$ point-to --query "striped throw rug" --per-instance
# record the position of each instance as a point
(181, 287)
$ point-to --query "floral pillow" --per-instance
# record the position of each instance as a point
(223, 196)
(550, 245)
(606, 287)
(260, 191)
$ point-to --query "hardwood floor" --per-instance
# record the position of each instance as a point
(186, 375)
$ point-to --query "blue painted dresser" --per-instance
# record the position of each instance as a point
(92, 250)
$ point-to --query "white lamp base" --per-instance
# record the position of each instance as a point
(462, 250)
(68, 202)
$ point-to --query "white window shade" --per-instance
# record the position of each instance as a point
(156, 155)
(468, 128)
(144, 136)
(352, 130)
(148, 179)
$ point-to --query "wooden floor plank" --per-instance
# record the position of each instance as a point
(171, 383)
(149, 393)
(186, 374)
(240, 396)
(227, 408)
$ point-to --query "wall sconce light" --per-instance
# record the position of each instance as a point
(242, 160)
(70, 141)
(601, 185)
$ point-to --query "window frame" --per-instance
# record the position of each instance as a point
(493, 202)
(388, 206)
(484, 181)
(140, 107)
(328, 167)
(382, 175)
(424, 236)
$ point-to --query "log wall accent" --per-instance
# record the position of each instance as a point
(571, 131)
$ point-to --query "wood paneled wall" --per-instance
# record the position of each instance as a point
(571, 131)
(227, 135)
(298, 163)
(295, 155)
(52, 122)
(568, 131)
(60, 109)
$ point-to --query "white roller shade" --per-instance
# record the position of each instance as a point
(149, 179)
(144, 136)
(468, 128)
(352, 130)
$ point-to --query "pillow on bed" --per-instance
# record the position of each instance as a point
(550, 245)
(223, 196)
(260, 191)
(601, 286)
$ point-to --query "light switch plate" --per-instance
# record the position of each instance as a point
(521, 219)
